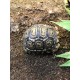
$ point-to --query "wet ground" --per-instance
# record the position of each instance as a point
(36, 66)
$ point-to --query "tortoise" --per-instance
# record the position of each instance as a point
(41, 38)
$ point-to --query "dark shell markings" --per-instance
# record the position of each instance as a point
(41, 38)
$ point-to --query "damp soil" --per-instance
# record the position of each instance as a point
(36, 66)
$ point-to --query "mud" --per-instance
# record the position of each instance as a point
(36, 66)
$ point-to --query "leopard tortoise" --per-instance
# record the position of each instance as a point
(41, 38)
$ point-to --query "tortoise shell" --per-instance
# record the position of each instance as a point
(40, 37)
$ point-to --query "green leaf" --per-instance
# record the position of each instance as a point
(66, 64)
(63, 23)
(67, 4)
(64, 55)
(68, 10)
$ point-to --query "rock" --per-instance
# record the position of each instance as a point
(14, 27)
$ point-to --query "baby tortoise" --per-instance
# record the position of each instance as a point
(41, 38)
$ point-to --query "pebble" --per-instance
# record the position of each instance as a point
(14, 27)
